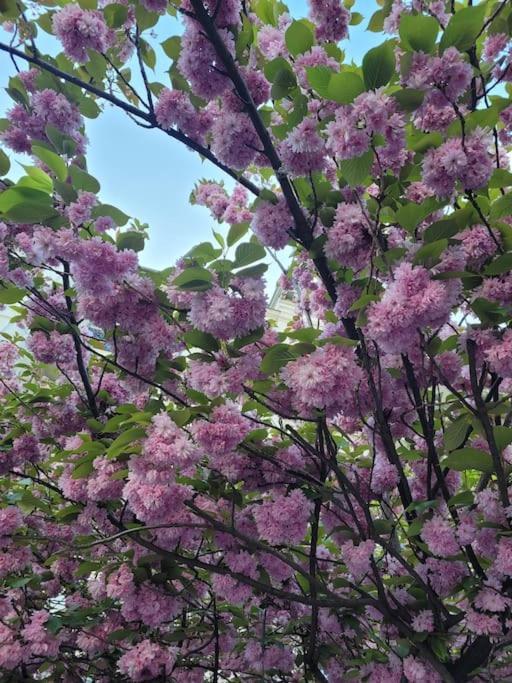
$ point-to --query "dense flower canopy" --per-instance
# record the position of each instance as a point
(189, 493)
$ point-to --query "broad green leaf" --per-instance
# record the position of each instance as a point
(130, 240)
(299, 38)
(455, 433)
(276, 357)
(52, 160)
(236, 232)
(502, 207)
(500, 178)
(430, 254)
(344, 87)
(248, 252)
(118, 216)
(128, 437)
(115, 15)
(201, 340)
(502, 264)
(356, 170)
(319, 78)
(194, 279)
(253, 271)
(418, 32)
(469, 459)
(502, 436)
(489, 312)
(443, 229)
(379, 66)
(11, 295)
(5, 164)
(409, 215)
(83, 180)
(89, 108)
(463, 27)
(409, 99)
(172, 47)
(25, 205)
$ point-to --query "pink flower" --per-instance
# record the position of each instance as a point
(80, 30)
(326, 379)
(423, 621)
(230, 313)
(357, 557)
(283, 520)
(349, 239)
(331, 19)
(451, 162)
(439, 535)
(272, 223)
(147, 661)
(411, 301)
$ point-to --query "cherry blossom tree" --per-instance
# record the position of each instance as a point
(187, 493)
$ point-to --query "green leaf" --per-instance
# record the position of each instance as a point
(355, 18)
(500, 178)
(88, 107)
(26, 205)
(130, 240)
(463, 27)
(319, 78)
(356, 170)
(194, 279)
(83, 180)
(11, 295)
(52, 160)
(502, 264)
(501, 207)
(489, 312)
(114, 213)
(379, 66)
(409, 99)
(503, 436)
(275, 358)
(443, 229)
(462, 499)
(236, 232)
(172, 47)
(376, 23)
(430, 254)
(344, 87)
(202, 340)
(284, 82)
(469, 459)
(455, 433)
(409, 215)
(418, 32)
(299, 38)
(5, 164)
(248, 252)
(115, 15)
(128, 437)
(253, 271)
(120, 634)
(83, 469)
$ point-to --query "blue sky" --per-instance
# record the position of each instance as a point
(150, 176)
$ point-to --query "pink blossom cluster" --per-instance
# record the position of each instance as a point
(80, 30)
(349, 240)
(411, 301)
(326, 379)
(272, 223)
(354, 127)
(469, 162)
(331, 19)
(284, 519)
(229, 313)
